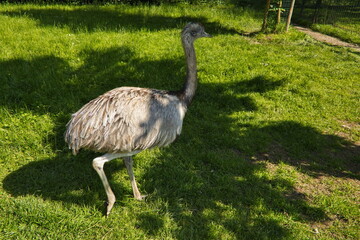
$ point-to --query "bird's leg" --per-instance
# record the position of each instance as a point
(98, 165)
(129, 166)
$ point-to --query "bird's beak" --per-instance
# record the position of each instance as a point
(205, 34)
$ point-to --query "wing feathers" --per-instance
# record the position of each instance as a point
(126, 119)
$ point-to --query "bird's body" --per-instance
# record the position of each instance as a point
(124, 121)
(127, 119)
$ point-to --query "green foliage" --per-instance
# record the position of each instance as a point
(269, 149)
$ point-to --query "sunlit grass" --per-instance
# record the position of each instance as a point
(339, 31)
(269, 149)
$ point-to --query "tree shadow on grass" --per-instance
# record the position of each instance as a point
(207, 184)
(48, 83)
(91, 18)
(66, 178)
(218, 191)
(312, 152)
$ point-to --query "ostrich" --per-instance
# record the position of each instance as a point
(127, 120)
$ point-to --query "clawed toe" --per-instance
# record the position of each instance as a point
(140, 197)
(107, 208)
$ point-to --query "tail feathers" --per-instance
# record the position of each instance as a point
(71, 138)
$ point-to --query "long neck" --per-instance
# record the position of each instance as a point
(188, 91)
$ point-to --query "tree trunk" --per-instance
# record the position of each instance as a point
(267, 7)
(290, 15)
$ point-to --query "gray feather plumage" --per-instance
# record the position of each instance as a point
(126, 119)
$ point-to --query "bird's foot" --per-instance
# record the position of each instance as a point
(108, 207)
(140, 197)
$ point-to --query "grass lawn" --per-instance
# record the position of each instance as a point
(347, 32)
(270, 147)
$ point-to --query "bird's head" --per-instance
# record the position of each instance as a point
(193, 31)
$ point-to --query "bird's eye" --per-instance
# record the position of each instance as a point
(193, 33)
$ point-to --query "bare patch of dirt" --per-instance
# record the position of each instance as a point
(350, 125)
(312, 186)
(309, 188)
(327, 39)
(326, 185)
(349, 129)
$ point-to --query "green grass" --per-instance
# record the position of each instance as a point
(346, 32)
(269, 148)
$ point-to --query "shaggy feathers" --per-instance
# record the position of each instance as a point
(126, 119)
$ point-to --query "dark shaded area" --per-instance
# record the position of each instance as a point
(309, 12)
(224, 176)
(150, 222)
(246, 3)
(103, 2)
(40, 84)
(93, 18)
(216, 187)
(312, 152)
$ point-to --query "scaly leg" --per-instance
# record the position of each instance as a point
(98, 165)
(129, 163)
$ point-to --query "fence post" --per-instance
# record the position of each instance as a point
(290, 15)
(279, 12)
